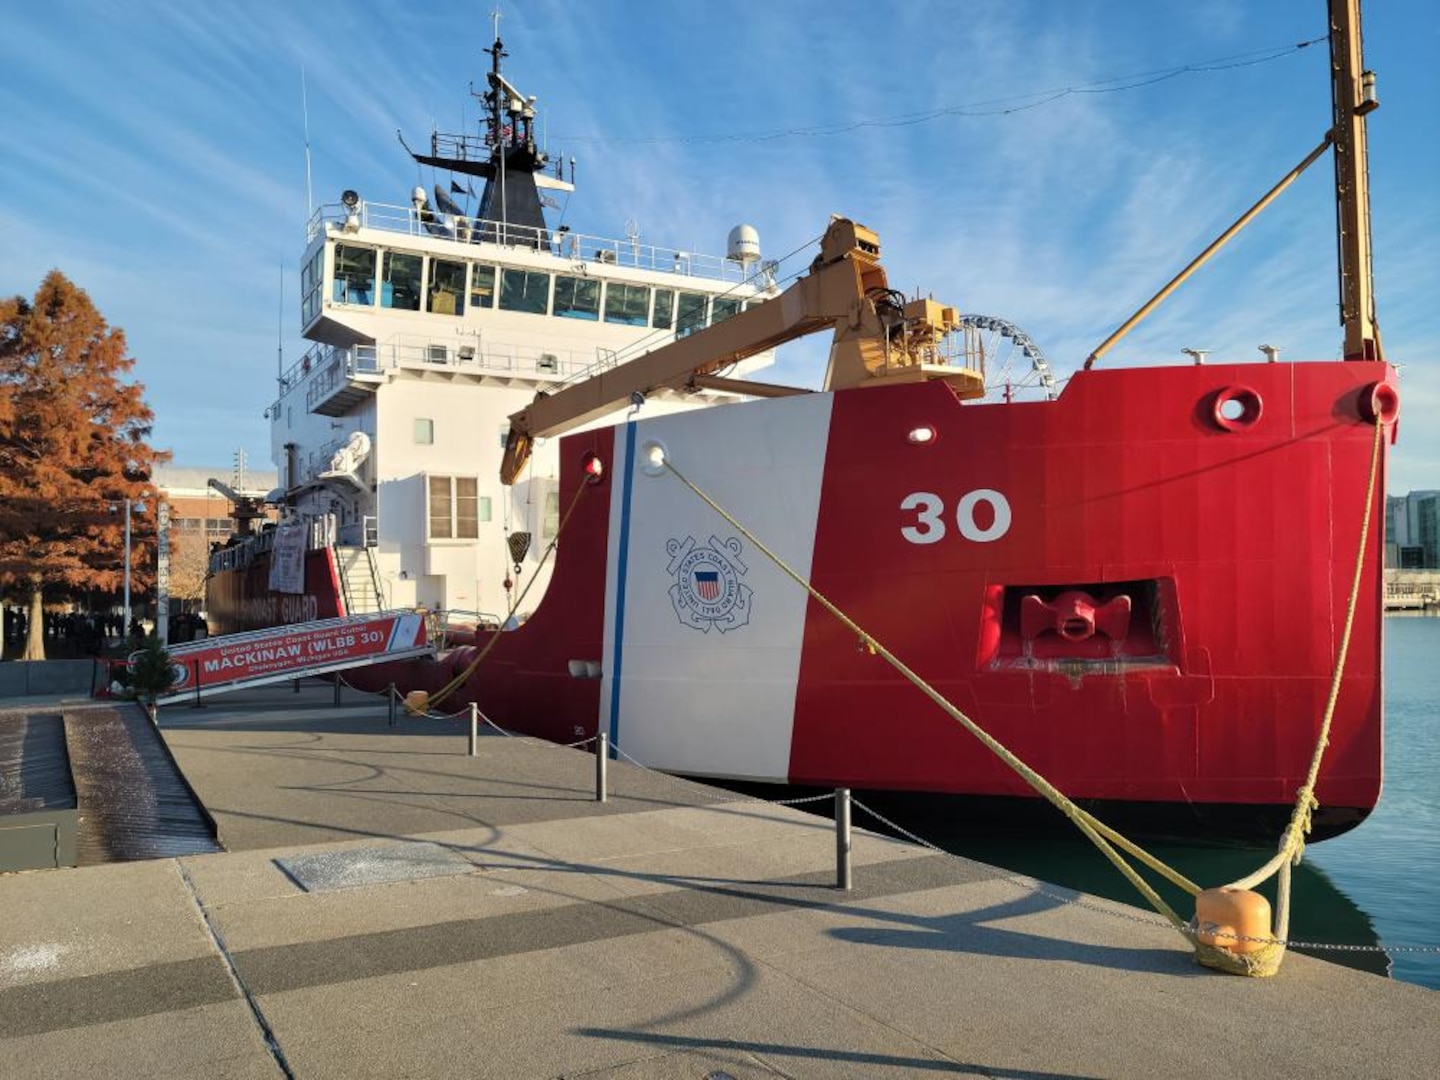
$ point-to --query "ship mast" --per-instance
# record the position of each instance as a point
(1354, 96)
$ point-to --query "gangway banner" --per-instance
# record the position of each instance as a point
(287, 559)
(286, 652)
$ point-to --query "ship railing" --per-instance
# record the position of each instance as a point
(322, 358)
(486, 355)
(484, 233)
(325, 368)
(320, 531)
(364, 533)
(445, 623)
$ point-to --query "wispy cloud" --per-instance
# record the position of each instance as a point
(155, 151)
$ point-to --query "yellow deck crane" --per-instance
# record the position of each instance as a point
(880, 339)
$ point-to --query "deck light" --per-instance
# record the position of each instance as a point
(652, 458)
(921, 435)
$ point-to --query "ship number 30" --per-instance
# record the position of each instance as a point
(929, 523)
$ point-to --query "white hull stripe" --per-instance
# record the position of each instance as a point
(703, 635)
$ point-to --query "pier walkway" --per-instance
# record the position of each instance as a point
(390, 907)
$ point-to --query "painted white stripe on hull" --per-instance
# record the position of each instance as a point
(705, 635)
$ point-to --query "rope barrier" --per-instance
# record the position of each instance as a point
(1260, 962)
(1027, 883)
(1264, 961)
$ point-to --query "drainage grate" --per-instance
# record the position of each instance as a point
(372, 866)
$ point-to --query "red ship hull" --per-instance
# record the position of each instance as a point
(1138, 589)
(241, 599)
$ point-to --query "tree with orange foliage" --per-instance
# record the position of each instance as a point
(72, 450)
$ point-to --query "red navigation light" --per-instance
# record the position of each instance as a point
(592, 467)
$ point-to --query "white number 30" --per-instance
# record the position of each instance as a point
(929, 526)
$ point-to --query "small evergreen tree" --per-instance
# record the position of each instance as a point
(72, 450)
(152, 672)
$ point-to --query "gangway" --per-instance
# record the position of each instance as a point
(280, 653)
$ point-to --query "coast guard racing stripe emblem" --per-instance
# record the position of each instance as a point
(708, 590)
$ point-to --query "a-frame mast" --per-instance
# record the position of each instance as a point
(1354, 96)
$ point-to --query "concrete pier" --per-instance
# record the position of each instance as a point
(390, 906)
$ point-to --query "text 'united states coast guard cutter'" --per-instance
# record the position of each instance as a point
(1139, 586)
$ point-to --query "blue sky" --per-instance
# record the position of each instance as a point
(154, 152)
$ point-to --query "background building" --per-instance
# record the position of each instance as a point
(199, 517)
(1412, 530)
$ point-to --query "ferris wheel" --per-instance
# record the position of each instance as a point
(1013, 364)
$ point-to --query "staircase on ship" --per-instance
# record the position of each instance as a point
(361, 586)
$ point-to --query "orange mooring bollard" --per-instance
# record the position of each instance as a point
(1236, 920)
(417, 702)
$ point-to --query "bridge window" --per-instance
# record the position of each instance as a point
(723, 308)
(628, 304)
(310, 291)
(447, 287)
(664, 309)
(354, 274)
(467, 507)
(691, 316)
(454, 507)
(424, 431)
(577, 298)
(482, 286)
(401, 287)
(524, 290)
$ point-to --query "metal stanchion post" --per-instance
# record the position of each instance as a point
(842, 839)
(390, 697)
(602, 756)
(337, 689)
(296, 684)
(474, 728)
(198, 703)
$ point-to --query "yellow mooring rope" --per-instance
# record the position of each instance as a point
(1263, 962)
(1266, 960)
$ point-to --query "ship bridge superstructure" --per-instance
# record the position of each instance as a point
(428, 328)
(431, 321)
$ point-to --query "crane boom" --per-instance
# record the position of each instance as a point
(877, 338)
